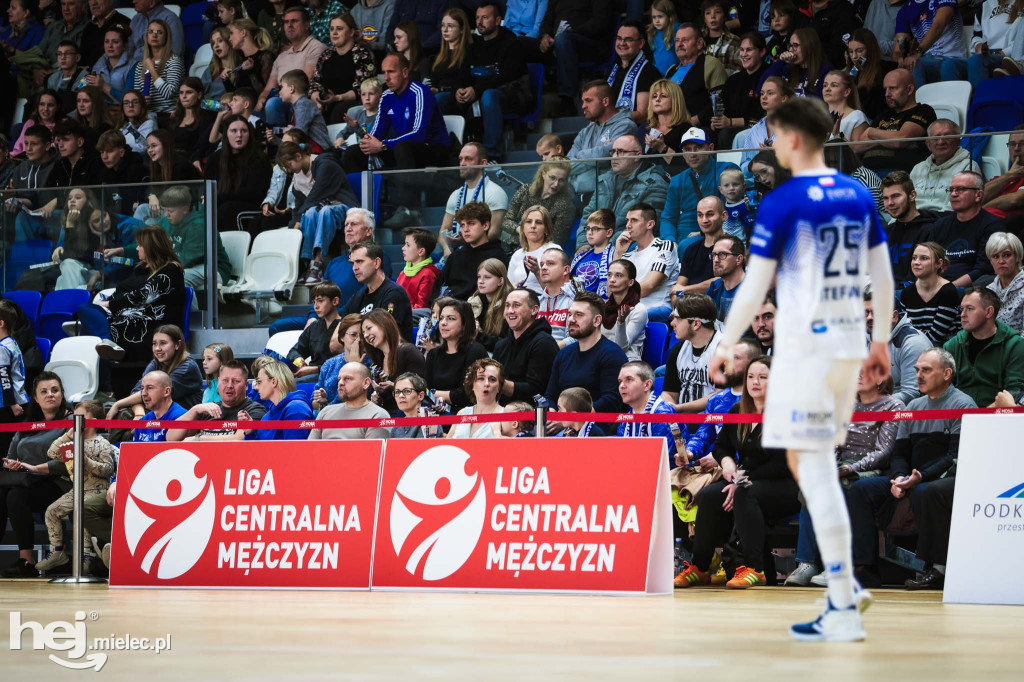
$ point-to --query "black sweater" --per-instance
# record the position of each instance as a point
(459, 273)
(496, 62)
(527, 360)
(314, 342)
(739, 95)
(255, 180)
(446, 371)
(748, 453)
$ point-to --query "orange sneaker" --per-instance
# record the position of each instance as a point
(746, 577)
(691, 575)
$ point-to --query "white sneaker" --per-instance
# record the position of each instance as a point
(821, 579)
(833, 625)
(802, 575)
(56, 558)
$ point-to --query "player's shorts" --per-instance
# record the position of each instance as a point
(809, 402)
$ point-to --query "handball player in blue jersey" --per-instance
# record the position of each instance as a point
(821, 234)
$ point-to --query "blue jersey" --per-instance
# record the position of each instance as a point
(819, 228)
(916, 17)
(175, 411)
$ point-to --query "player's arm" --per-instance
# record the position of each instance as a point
(876, 365)
(755, 285)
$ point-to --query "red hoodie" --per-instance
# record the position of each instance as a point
(420, 286)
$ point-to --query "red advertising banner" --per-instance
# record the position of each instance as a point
(245, 515)
(524, 515)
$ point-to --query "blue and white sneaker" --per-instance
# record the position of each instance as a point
(861, 597)
(833, 625)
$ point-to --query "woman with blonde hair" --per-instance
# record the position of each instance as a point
(488, 301)
(276, 386)
(932, 303)
(550, 188)
(534, 239)
(450, 69)
(667, 120)
(160, 71)
(840, 94)
(256, 53)
(225, 59)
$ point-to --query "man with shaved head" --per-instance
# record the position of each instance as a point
(156, 398)
(903, 118)
(353, 403)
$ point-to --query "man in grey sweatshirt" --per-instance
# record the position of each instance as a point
(906, 343)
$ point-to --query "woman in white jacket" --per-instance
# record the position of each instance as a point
(625, 317)
(994, 33)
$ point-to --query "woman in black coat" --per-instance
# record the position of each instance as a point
(241, 169)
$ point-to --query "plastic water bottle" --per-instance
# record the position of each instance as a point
(81, 82)
(212, 105)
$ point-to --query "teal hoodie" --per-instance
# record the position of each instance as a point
(189, 240)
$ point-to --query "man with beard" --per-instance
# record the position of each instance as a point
(699, 445)
(728, 258)
(908, 226)
(593, 362)
(764, 325)
(687, 384)
(475, 188)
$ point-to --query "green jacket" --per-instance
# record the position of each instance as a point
(189, 240)
(999, 366)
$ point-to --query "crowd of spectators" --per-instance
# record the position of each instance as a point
(503, 306)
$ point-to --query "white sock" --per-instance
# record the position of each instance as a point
(824, 497)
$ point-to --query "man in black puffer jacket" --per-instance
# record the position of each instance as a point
(528, 350)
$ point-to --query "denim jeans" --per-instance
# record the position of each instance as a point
(975, 68)
(806, 545)
(659, 313)
(928, 70)
(319, 225)
(492, 104)
(94, 320)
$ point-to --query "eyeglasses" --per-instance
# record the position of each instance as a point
(404, 392)
(719, 255)
(625, 152)
(961, 190)
(596, 228)
(1019, 143)
(621, 39)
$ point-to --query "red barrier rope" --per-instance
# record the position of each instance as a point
(697, 418)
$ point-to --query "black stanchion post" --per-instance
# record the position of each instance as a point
(77, 526)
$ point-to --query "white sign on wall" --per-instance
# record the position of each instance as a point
(988, 510)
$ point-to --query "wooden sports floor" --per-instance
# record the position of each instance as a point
(705, 634)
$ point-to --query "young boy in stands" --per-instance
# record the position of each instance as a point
(548, 146)
(242, 102)
(420, 273)
(306, 114)
(12, 367)
(518, 429)
(99, 457)
(739, 218)
(590, 266)
(187, 230)
(314, 342)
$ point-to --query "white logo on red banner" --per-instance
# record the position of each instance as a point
(437, 513)
(169, 514)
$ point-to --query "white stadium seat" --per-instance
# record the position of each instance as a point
(236, 243)
(455, 124)
(204, 55)
(951, 96)
(282, 342)
(998, 151)
(19, 110)
(75, 361)
(334, 129)
(128, 12)
(271, 270)
(729, 156)
(174, 8)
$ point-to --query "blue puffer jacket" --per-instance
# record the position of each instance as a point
(295, 405)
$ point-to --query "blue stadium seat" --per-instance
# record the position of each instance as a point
(192, 22)
(655, 344)
(997, 103)
(23, 254)
(28, 301)
(570, 244)
(659, 384)
(58, 307)
(356, 181)
(536, 86)
(44, 348)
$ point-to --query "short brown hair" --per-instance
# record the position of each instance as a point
(238, 365)
(595, 302)
(471, 372)
(807, 116)
(423, 238)
(110, 141)
(577, 399)
(93, 408)
(296, 78)
(474, 210)
(8, 315)
(289, 151)
(696, 306)
(901, 178)
(604, 91)
(603, 217)
(328, 290)
(989, 298)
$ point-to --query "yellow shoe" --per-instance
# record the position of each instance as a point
(746, 577)
(717, 570)
(690, 576)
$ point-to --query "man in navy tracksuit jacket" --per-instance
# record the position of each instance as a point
(409, 131)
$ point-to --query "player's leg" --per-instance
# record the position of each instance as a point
(815, 469)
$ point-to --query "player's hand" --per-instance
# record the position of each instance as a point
(707, 463)
(876, 366)
(721, 364)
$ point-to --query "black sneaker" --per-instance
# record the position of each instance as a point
(21, 569)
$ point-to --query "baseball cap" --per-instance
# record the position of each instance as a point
(695, 135)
